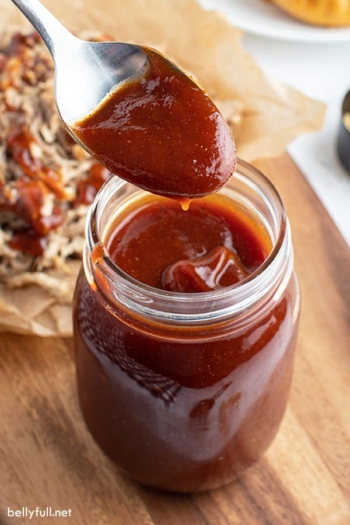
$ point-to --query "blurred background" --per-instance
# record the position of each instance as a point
(316, 61)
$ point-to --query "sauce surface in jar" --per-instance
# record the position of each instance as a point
(211, 245)
(162, 133)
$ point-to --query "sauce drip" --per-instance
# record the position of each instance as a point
(20, 144)
(162, 133)
(30, 198)
(28, 241)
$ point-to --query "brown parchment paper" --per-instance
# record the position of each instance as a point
(270, 115)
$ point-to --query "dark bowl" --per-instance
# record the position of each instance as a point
(343, 141)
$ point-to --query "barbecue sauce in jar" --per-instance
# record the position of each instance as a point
(185, 326)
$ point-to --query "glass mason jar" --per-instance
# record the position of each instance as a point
(185, 391)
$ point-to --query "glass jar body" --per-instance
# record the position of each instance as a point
(183, 403)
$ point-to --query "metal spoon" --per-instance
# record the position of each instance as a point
(85, 72)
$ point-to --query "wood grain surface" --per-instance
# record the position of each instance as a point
(48, 459)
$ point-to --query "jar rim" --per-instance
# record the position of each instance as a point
(227, 299)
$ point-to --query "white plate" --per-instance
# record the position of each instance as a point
(262, 18)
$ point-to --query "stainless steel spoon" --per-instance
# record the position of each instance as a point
(85, 72)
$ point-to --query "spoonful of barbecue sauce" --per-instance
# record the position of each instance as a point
(137, 113)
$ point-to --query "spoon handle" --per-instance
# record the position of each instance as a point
(48, 27)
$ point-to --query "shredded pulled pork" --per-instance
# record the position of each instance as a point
(47, 181)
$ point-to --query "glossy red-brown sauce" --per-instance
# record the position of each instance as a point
(28, 241)
(183, 407)
(207, 247)
(88, 186)
(162, 133)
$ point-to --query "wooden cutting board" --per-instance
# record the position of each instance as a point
(48, 459)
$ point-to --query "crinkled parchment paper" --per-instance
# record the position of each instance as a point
(265, 116)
